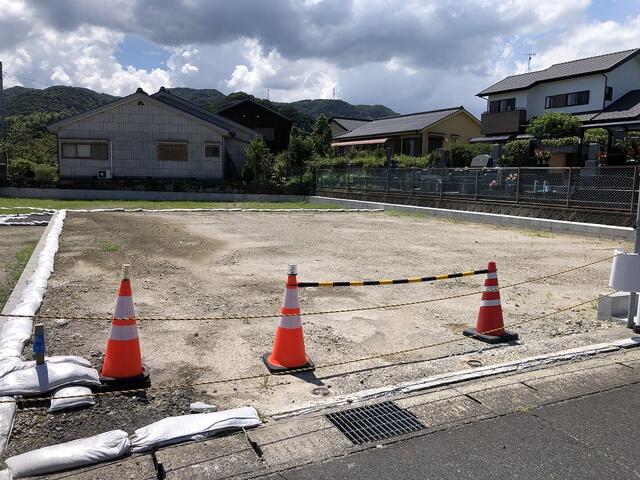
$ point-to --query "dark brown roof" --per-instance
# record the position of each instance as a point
(251, 100)
(574, 68)
(413, 122)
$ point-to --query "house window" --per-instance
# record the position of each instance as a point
(269, 134)
(567, 99)
(608, 93)
(212, 150)
(504, 105)
(454, 138)
(173, 152)
(88, 151)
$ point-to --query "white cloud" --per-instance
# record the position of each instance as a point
(188, 69)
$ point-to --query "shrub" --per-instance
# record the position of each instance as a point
(461, 154)
(20, 172)
(560, 142)
(45, 173)
(516, 153)
(259, 163)
(418, 162)
(554, 125)
(597, 135)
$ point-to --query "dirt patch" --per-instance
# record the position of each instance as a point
(204, 264)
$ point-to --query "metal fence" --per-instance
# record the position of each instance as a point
(604, 188)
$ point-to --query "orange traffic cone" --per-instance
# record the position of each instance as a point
(490, 325)
(122, 359)
(288, 348)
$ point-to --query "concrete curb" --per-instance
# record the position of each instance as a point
(465, 375)
(548, 225)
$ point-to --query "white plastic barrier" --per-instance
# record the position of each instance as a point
(11, 364)
(78, 453)
(17, 331)
(47, 377)
(71, 397)
(172, 430)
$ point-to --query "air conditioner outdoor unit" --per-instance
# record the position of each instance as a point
(104, 174)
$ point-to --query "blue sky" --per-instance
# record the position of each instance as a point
(410, 55)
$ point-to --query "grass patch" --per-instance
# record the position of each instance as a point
(14, 268)
(15, 204)
(110, 246)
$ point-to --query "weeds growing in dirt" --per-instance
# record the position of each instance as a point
(110, 246)
(14, 268)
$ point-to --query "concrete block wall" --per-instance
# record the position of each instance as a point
(133, 132)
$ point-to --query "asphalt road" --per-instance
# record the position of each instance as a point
(594, 436)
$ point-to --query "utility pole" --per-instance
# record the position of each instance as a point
(4, 160)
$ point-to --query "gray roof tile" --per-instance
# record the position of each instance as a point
(627, 106)
(399, 124)
(584, 66)
(350, 123)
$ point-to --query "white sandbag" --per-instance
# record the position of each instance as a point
(5, 474)
(71, 397)
(78, 453)
(8, 408)
(183, 428)
(10, 364)
(47, 377)
(201, 407)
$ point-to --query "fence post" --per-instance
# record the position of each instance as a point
(388, 174)
(518, 185)
(475, 188)
(365, 179)
(633, 297)
(331, 179)
(634, 184)
(348, 177)
(569, 188)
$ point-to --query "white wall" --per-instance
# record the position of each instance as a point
(133, 132)
(521, 98)
(593, 83)
(624, 78)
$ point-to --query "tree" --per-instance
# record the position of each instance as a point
(554, 125)
(300, 152)
(516, 153)
(321, 136)
(259, 162)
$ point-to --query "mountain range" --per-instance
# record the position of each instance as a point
(74, 100)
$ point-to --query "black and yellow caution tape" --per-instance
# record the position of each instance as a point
(398, 281)
(175, 387)
(106, 317)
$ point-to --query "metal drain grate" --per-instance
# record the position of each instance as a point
(374, 422)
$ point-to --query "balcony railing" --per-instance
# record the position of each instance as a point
(494, 123)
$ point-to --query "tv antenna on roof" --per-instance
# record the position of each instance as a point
(530, 55)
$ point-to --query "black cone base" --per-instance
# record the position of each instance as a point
(485, 337)
(278, 370)
(140, 381)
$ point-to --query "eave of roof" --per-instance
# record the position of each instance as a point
(491, 91)
(244, 100)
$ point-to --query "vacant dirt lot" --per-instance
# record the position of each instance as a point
(203, 264)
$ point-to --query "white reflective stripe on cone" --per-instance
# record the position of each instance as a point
(492, 275)
(290, 298)
(494, 288)
(490, 303)
(124, 308)
(123, 332)
(291, 322)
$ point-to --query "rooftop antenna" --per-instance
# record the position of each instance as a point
(530, 55)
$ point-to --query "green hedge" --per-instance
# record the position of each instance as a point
(516, 153)
(462, 153)
(560, 142)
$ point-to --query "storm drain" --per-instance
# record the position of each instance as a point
(374, 422)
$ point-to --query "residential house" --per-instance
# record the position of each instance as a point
(415, 134)
(274, 127)
(150, 136)
(340, 125)
(603, 91)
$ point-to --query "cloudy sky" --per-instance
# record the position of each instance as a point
(410, 55)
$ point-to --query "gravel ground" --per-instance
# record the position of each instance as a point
(204, 264)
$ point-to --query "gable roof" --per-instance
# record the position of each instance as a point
(250, 100)
(575, 68)
(168, 99)
(349, 123)
(413, 122)
(185, 106)
(626, 107)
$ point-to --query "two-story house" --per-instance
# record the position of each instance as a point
(600, 90)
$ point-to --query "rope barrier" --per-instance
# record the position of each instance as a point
(323, 312)
(370, 283)
(299, 370)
